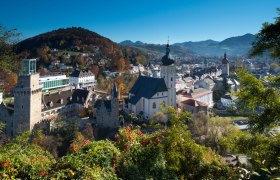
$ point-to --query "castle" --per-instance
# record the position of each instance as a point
(107, 110)
(31, 106)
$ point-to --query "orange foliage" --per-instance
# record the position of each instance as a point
(9, 80)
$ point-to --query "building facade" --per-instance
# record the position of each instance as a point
(82, 79)
(56, 81)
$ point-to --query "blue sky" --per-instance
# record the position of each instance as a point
(150, 21)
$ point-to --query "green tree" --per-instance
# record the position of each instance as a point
(261, 100)
(8, 38)
(21, 160)
(268, 38)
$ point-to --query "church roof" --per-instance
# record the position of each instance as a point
(166, 59)
(146, 87)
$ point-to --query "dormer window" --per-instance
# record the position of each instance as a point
(61, 101)
(51, 104)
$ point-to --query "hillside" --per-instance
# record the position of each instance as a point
(75, 40)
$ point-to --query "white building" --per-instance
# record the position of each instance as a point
(146, 95)
(82, 79)
(228, 100)
(206, 83)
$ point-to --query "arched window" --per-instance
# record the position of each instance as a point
(154, 105)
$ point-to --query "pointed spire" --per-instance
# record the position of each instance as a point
(225, 60)
(167, 47)
(115, 91)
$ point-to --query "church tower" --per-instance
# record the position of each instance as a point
(27, 98)
(225, 66)
(168, 73)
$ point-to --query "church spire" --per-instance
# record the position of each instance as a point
(225, 60)
(167, 47)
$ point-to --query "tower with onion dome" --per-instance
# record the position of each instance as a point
(225, 66)
(168, 73)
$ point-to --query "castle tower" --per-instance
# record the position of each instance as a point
(225, 65)
(27, 98)
(168, 73)
(115, 107)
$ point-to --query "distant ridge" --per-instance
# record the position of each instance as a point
(239, 46)
(131, 43)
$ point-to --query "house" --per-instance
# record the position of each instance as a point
(206, 83)
(193, 106)
(200, 94)
(229, 100)
(82, 79)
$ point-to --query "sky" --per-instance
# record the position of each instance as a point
(150, 21)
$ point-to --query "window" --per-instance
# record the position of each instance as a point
(154, 105)
(171, 78)
(157, 94)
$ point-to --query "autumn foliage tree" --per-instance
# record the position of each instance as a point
(121, 64)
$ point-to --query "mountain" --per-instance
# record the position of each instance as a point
(131, 43)
(238, 46)
(245, 40)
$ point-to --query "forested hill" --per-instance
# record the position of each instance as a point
(78, 40)
(66, 38)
